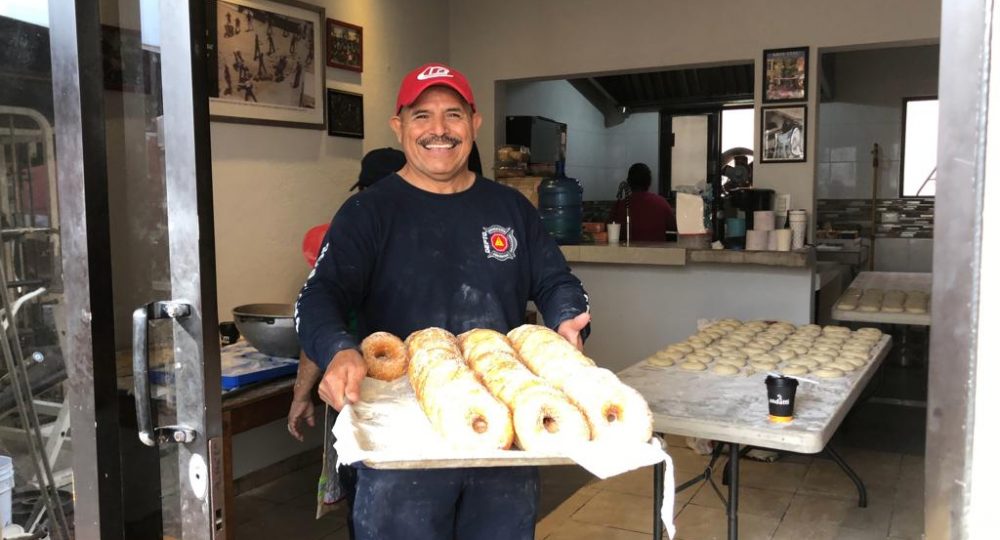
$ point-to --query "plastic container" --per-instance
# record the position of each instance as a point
(6, 489)
(560, 203)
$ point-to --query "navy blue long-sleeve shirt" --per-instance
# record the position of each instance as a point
(405, 259)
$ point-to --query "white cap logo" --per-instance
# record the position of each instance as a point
(433, 72)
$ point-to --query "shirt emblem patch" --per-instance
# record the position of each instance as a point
(499, 243)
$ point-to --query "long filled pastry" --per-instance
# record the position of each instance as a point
(544, 419)
(455, 402)
(615, 411)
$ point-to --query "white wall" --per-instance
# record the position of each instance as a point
(497, 40)
(272, 184)
(598, 157)
(867, 108)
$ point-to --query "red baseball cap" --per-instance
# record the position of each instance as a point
(428, 75)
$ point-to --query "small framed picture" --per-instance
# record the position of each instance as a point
(786, 74)
(345, 114)
(783, 134)
(343, 45)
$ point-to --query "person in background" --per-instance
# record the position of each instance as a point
(338, 485)
(444, 278)
(652, 217)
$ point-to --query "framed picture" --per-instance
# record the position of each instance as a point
(263, 60)
(343, 45)
(345, 114)
(786, 74)
(783, 134)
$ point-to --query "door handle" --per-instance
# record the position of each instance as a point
(149, 435)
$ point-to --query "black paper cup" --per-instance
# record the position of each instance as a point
(228, 332)
(780, 398)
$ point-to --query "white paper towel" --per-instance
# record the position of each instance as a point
(690, 214)
(756, 240)
(383, 426)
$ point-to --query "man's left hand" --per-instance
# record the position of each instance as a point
(571, 328)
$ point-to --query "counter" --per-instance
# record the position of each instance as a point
(647, 295)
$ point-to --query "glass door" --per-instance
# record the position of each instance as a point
(139, 314)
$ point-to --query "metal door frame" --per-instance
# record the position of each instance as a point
(78, 88)
(960, 385)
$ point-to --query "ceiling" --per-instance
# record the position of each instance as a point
(669, 89)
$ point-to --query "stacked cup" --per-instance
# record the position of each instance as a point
(798, 220)
(759, 238)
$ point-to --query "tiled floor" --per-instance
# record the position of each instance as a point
(796, 498)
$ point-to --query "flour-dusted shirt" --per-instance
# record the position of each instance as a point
(406, 259)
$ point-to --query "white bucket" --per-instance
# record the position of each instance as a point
(6, 489)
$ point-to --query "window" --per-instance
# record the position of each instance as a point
(737, 129)
(919, 157)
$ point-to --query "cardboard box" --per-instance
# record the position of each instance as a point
(527, 185)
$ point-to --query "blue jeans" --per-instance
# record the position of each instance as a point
(487, 503)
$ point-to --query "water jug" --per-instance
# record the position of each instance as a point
(560, 202)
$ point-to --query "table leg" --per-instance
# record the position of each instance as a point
(862, 492)
(659, 469)
(734, 491)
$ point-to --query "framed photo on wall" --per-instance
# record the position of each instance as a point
(783, 134)
(265, 63)
(786, 74)
(343, 45)
(346, 114)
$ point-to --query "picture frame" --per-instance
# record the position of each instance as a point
(344, 45)
(345, 114)
(783, 134)
(786, 75)
(265, 63)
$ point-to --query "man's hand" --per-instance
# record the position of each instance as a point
(342, 381)
(571, 328)
(301, 411)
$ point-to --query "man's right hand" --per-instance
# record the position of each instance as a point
(342, 381)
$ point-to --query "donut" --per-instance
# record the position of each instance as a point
(385, 355)
(543, 417)
(458, 406)
(613, 410)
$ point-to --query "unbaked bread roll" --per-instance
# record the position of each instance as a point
(614, 411)
(544, 419)
(457, 405)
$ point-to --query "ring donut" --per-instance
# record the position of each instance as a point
(544, 419)
(455, 402)
(385, 355)
(613, 410)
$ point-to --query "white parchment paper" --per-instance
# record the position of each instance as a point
(386, 429)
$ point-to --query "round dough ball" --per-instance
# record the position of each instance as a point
(804, 361)
(784, 353)
(828, 373)
(683, 347)
(843, 365)
(659, 362)
(725, 369)
(730, 361)
(763, 366)
(692, 365)
(672, 355)
(699, 356)
(795, 370)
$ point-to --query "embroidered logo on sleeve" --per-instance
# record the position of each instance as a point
(499, 243)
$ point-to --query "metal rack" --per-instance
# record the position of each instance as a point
(30, 287)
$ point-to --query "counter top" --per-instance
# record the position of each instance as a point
(670, 254)
(654, 253)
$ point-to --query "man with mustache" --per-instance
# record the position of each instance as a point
(435, 245)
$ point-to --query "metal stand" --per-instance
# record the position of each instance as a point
(731, 477)
(13, 358)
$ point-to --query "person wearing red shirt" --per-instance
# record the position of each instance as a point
(652, 217)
